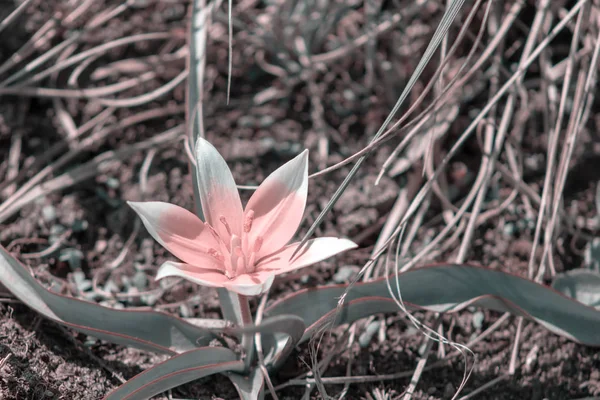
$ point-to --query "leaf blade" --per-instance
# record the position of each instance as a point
(250, 387)
(448, 288)
(148, 330)
(176, 371)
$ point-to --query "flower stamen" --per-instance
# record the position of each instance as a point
(242, 267)
(234, 254)
(225, 224)
(252, 258)
(248, 221)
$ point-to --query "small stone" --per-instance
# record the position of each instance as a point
(126, 282)
(149, 299)
(55, 231)
(81, 282)
(509, 230)
(246, 121)
(477, 320)
(365, 338)
(140, 281)
(411, 331)
(184, 311)
(111, 287)
(345, 273)
(100, 246)
(134, 298)
(266, 121)
(49, 213)
(113, 183)
(79, 225)
(349, 95)
(71, 256)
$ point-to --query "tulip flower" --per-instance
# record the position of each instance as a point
(240, 249)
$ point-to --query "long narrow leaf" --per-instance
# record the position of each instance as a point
(251, 387)
(280, 334)
(148, 330)
(447, 288)
(176, 371)
(291, 325)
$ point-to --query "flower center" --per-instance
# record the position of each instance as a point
(237, 254)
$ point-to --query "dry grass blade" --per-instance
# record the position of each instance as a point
(487, 158)
(88, 170)
(440, 32)
(14, 15)
(584, 101)
(94, 51)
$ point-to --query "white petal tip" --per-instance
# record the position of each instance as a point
(137, 206)
(349, 243)
(252, 289)
(203, 145)
(166, 270)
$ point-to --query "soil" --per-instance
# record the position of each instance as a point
(95, 228)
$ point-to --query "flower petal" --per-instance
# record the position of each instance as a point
(314, 251)
(179, 231)
(248, 284)
(278, 205)
(218, 192)
(200, 276)
(252, 284)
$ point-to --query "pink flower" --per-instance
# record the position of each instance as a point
(238, 249)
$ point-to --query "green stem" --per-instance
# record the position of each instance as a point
(236, 308)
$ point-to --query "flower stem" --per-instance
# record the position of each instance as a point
(236, 308)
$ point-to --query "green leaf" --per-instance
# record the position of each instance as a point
(279, 334)
(446, 288)
(250, 387)
(176, 371)
(148, 330)
(580, 284)
(291, 325)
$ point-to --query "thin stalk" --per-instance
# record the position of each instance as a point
(441, 30)
(553, 146)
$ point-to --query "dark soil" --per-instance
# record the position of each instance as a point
(40, 360)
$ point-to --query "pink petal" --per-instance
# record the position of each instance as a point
(179, 231)
(278, 205)
(314, 251)
(252, 284)
(218, 192)
(248, 285)
(200, 276)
